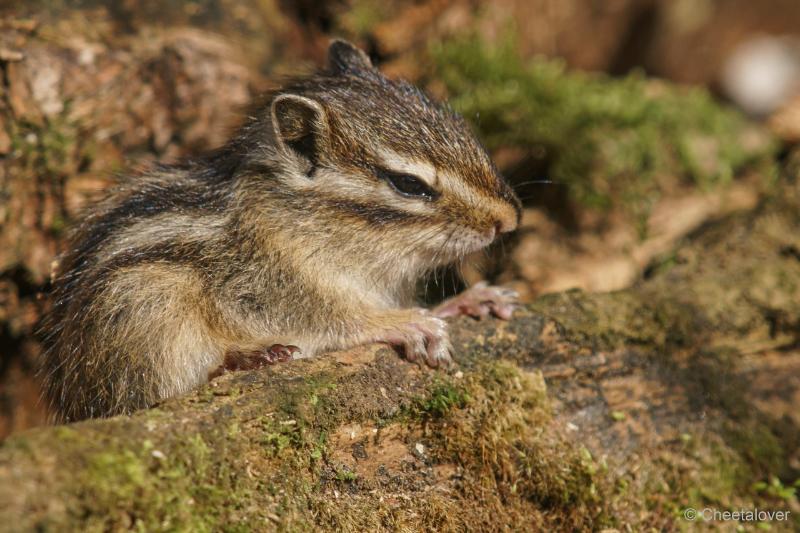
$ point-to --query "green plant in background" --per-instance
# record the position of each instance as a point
(615, 142)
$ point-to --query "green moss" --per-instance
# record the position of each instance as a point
(759, 447)
(625, 318)
(49, 148)
(661, 324)
(192, 484)
(48, 153)
(58, 225)
(443, 395)
(491, 423)
(346, 475)
(116, 478)
(279, 435)
(775, 488)
(306, 401)
(709, 472)
(612, 142)
(499, 438)
(721, 474)
(618, 416)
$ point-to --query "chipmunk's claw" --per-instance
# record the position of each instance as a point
(423, 340)
(236, 360)
(280, 353)
(479, 301)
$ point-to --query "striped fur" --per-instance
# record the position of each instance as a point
(286, 235)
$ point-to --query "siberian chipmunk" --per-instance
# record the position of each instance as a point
(307, 232)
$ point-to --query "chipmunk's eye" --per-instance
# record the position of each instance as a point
(408, 185)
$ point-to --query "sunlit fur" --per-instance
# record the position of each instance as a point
(263, 242)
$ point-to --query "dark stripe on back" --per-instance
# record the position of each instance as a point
(185, 253)
(187, 197)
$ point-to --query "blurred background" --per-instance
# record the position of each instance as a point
(624, 124)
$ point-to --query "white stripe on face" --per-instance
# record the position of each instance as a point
(334, 183)
(420, 169)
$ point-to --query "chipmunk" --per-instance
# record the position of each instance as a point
(307, 232)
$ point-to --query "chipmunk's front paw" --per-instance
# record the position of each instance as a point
(424, 338)
(480, 300)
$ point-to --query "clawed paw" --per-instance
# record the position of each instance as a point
(424, 339)
(237, 360)
(279, 353)
(479, 301)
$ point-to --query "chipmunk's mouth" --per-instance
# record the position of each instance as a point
(465, 242)
(453, 244)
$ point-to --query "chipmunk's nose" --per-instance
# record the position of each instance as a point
(505, 225)
(506, 221)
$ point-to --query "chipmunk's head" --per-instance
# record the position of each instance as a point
(404, 172)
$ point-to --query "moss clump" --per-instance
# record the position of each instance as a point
(189, 487)
(443, 396)
(46, 148)
(502, 439)
(485, 440)
(47, 154)
(613, 320)
(613, 142)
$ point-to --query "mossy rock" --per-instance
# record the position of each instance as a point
(585, 411)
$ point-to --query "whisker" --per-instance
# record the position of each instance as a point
(453, 279)
(539, 182)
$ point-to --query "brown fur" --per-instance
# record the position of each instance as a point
(287, 235)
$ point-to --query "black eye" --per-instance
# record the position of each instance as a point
(407, 185)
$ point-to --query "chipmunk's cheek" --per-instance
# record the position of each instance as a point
(482, 239)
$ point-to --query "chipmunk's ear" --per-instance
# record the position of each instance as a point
(300, 126)
(344, 57)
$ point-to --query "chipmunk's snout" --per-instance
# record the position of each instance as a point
(506, 224)
(504, 221)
